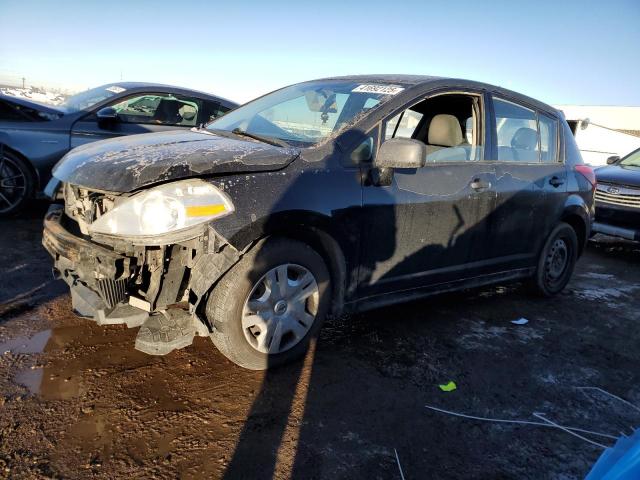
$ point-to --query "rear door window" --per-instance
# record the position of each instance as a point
(516, 132)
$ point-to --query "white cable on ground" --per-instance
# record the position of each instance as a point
(399, 466)
(611, 395)
(522, 422)
(564, 429)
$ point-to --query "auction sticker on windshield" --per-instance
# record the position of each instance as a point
(115, 89)
(381, 89)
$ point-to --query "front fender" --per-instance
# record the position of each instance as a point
(41, 148)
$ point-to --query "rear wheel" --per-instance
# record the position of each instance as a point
(16, 183)
(557, 261)
(269, 306)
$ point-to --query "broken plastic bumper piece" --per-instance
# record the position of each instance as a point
(98, 277)
(80, 262)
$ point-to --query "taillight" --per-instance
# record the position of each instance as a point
(587, 172)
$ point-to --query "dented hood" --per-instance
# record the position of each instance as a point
(128, 163)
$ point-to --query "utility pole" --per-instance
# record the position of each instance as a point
(23, 79)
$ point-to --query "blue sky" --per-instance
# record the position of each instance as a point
(562, 52)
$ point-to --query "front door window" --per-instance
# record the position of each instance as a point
(450, 126)
(159, 109)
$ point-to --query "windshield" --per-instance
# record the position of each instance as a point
(632, 160)
(87, 99)
(306, 113)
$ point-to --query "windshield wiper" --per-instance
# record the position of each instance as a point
(260, 138)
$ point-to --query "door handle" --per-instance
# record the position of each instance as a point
(555, 181)
(478, 185)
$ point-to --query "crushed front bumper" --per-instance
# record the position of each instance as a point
(92, 262)
(120, 277)
(97, 276)
(104, 283)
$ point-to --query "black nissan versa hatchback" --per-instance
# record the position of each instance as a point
(326, 196)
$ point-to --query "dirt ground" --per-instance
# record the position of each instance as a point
(77, 401)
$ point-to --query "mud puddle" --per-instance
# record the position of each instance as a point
(34, 344)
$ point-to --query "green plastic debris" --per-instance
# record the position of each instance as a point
(448, 387)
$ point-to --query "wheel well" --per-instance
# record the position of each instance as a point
(578, 225)
(34, 174)
(330, 251)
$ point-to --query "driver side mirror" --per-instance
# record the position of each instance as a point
(401, 153)
(107, 117)
(397, 153)
(613, 160)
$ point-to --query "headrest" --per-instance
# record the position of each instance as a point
(187, 112)
(445, 131)
(525, 139)
(169, 106)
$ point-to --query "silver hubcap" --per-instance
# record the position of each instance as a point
(13, 184)
(280, 309)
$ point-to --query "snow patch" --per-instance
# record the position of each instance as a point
(36, 94)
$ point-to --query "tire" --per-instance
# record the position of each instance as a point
(556, 262)
(16, 183)
(244, 310)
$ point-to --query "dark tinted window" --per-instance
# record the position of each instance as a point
(212, 110)
(21, 113)
(8, 113)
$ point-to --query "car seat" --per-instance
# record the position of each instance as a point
(444, 140)
(168, 111)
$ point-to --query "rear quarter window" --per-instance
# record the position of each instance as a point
(20, 113)
(548, 138)
(10, 114)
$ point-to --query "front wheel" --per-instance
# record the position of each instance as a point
(269, 306)
(557, 261)
(16, 183)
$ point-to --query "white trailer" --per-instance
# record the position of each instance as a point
(602, 132)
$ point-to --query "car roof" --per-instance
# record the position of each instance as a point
(146, 85)
(388, 77)
(417, 81)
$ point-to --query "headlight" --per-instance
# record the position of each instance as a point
(164, 209)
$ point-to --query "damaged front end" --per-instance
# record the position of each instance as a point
(128, 261)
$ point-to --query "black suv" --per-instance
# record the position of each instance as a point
(618, 197)
(330, 195)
